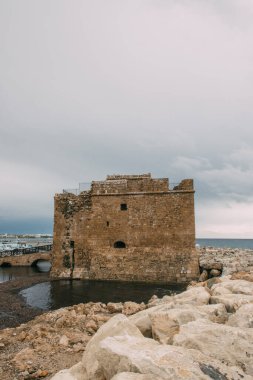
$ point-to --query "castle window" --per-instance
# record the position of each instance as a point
(72, 244)
(123, 206)
(119, 244)
(107, 223)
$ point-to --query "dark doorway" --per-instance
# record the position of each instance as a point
(119, 244)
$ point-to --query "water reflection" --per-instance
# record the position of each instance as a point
(43, 266)
(55, 294)
(39, 295)
(11, 273)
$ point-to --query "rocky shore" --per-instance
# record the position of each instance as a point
(205, 332)
(54, 340)
(216, 261)
(13, 309)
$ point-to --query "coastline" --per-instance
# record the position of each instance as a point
(14, 309)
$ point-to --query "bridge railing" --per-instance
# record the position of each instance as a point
(25, 251)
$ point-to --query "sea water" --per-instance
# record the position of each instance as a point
(226, 243)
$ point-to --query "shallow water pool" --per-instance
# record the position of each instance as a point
(60, 293)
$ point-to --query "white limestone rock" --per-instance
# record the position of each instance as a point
(231, 345)
(192, 297)
(146, 356)
(64, 340)
(64, 374)
(215, 369)
(216, 313)
(232, 302)
(243, 317)
(195, 296)
(134, 376)
(166, 324)
(117, 325)
(142, 321)
(77, 372)
(233, 287)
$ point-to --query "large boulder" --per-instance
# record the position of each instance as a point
(216, 313)
(231, 345)
(194, 295)
(166, 324)
(217, 370)
(142, 321)
(231, 301)
(243, 317)
(191, 298)
(117, 325)
(145, 356)
(233, 287)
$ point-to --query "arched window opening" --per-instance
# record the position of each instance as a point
(119, 244)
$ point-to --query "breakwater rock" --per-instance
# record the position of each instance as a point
(202, 333)
(216, 261)
(51, 341)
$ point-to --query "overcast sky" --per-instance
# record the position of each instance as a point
(89, 88)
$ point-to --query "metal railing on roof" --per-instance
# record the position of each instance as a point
(83, 186)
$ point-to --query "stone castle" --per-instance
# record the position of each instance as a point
(129, 228)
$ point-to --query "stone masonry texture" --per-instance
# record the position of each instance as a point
(129, 228)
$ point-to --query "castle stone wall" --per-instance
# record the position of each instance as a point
(155, 225)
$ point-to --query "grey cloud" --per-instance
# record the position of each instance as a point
(231, 180)
(92, 88)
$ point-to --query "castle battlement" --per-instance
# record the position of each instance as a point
(143, 183)
(130, 184)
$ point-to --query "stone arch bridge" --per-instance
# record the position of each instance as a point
(27, 259)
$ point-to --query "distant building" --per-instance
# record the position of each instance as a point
(128, 227)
